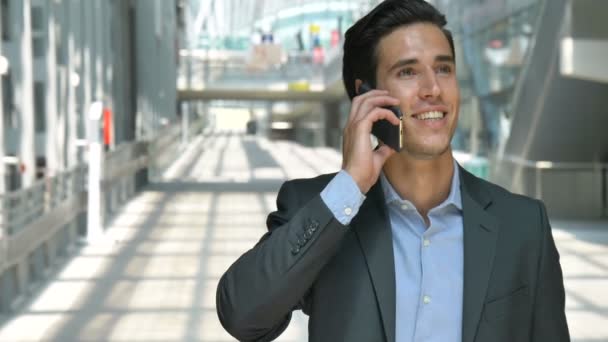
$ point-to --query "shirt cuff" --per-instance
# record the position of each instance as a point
(343, 197)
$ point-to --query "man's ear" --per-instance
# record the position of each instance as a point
(358, 83)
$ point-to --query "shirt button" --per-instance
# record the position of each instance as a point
(426, 242)
(348, 211)
(404, 207)
(426, 299)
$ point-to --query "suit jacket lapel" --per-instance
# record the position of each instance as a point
(480, 231)
(373, 230)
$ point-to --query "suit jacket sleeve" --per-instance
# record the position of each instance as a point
(549, 316)
(256, 295)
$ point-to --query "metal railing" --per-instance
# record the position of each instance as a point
(22, 207)
(38, 224)
(569, 189)
(236, 74)
(32, 226)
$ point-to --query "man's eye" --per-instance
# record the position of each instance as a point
(407, 72)
(445, 69)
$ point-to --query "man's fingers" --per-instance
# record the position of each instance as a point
(379, 114)
(374, 102)
(360, 99)
(391, 117)
(384, 152)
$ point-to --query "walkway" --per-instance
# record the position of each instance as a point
(154, 278)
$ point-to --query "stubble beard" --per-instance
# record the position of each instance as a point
(425, 151)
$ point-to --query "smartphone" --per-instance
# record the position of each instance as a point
(383, 130)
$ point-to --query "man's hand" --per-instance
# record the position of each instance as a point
(359, 159)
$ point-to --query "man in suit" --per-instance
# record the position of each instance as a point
(400, 246)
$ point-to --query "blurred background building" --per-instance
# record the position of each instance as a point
(532, 113)
(184, 83)
(60, 56)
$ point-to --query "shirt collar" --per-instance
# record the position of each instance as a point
(454, 198)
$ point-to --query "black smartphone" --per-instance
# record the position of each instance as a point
(383, 130)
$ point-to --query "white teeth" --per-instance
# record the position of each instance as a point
(430, 115)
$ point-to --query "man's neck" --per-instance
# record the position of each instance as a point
(425, 183)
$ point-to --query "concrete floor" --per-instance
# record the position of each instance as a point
(154, 277)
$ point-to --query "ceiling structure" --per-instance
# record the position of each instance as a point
(227, 18)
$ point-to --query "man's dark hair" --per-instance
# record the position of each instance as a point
(361, 40)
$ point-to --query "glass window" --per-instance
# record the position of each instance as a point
(60, 48)
(38, 46)
(6, 23)
(40, 106)
(7, 102)
(37, 19)
(38, 32)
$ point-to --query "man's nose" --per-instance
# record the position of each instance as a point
(429, 87)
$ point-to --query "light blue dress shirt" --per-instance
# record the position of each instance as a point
(428, 261)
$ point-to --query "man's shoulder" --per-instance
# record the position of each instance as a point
(502, 193)
(506, 201)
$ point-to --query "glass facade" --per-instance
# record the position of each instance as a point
(304, 26)
(494, 38)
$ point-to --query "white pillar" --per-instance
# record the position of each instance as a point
(74, 80)
(25, 98)
(52, 139)
(98, 25)
(88, 43)
(94, 205)
(3, 65)
(3, 237)
(62, 85)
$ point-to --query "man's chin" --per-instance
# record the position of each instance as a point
(426, 152)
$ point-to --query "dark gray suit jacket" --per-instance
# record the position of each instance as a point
(343, 277)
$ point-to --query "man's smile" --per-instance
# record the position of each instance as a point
(433, 115)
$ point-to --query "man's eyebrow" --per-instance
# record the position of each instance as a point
(403, 62)
(444, 58)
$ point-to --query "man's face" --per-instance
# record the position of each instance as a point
(416, 65)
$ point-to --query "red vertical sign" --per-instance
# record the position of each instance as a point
(107, 127)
